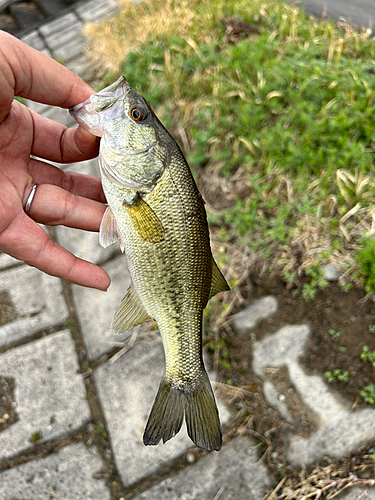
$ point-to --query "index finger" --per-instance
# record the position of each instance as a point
(33, 75)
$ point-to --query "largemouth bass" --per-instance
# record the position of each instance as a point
(155, 209)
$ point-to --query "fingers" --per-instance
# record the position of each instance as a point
(55, 142)
(54, 206)
(38, 77)
(27, 241)
(80, 184)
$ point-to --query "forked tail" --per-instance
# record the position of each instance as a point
(198, 405)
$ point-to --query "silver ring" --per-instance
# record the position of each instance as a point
(30, 199)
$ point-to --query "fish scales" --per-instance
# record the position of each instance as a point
(157, 212)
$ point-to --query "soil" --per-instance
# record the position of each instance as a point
(349, 316)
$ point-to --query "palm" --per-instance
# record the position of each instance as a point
(62, 197)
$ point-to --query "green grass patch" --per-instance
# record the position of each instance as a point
(276, 123)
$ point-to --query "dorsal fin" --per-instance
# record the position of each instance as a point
(130, 313)
(218, 282)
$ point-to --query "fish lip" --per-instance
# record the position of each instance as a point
(120, 89)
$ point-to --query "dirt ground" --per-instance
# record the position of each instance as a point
(348, 316)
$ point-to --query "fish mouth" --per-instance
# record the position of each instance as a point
(86, 113)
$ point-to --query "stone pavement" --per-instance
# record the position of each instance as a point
(62, 387)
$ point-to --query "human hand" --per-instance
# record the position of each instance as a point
(66, 198)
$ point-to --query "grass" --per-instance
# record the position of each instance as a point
(278, 128)
(277, 125)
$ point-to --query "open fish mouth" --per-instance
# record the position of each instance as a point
(87, 113)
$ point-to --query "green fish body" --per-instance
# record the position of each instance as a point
(155, 209)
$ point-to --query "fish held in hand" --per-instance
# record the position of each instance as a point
(156, 211)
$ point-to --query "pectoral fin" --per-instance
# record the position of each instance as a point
(218, 282)
(108, 232)
(130, 313)
(144, 220)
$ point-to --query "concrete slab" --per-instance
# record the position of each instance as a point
(252, 315)
(6, 261)
(92, 11)
(280, 348)
(339, 431)
(358, 493)
(66, 475)
(38, 301)
(233, 473)
(49, 394)
(127, 389)
(95, 309)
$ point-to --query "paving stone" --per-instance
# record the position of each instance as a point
(34, 40)
(37, 106)
(6, 261)
(96, 309)
(57, 39)
(92, 11)
(70, 50)
(280, 348)
(233, 473)
(82, 67)
(127, 389)
(85, 245)
(339, 431)
(38, 301)
(66, 475)
(277, 401)
(59, 115)
(50, 395)
(358, 493)
(342, 435)
(57, 25)
(259, 310)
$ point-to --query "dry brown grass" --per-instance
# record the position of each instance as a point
(112, 39)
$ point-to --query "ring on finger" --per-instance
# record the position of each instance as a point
(30, 199)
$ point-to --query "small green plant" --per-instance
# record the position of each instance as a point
(100, 429)
(342, 348)
(317, 282)
(366, 261)
(368, 394)
(35, 437)
(368, 356)
(371, 329)
(337, 375)
(334, 335)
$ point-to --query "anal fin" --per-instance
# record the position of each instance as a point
(130, 313)
(218, 282)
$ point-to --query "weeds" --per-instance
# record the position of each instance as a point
(367, 355)
(334, 335)
(368, 394)
(276, 124)
(337, 375)
(366, 260)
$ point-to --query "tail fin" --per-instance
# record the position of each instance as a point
(198, 405)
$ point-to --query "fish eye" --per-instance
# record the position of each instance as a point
(138, 114)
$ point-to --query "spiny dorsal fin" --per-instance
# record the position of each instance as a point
(130, 313)
(144, 220)
(108, 232)
(218, 282)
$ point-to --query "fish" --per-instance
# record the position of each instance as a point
(157, 213)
